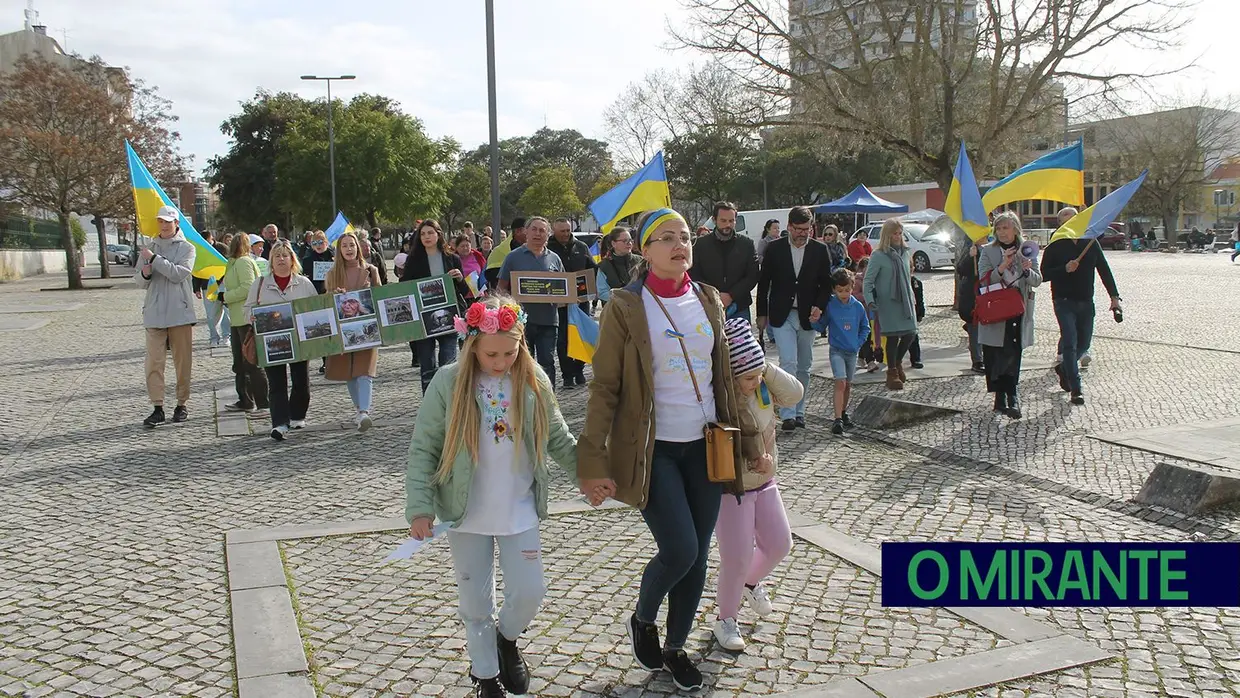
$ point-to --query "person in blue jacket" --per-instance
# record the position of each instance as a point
(848, 328)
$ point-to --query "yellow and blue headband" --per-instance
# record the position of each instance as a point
(654, 220)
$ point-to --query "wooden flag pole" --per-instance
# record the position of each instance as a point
(1081, 256)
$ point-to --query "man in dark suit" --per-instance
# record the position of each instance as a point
(793, 288)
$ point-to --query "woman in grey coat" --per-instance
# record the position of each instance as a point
(1003, 342)
(888, 288)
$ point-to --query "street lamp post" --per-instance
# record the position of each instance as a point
(331, 136)
(496, 229)
(761, 143)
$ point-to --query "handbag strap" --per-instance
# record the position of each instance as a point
(684, 349)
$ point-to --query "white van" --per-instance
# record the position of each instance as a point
(751, 223)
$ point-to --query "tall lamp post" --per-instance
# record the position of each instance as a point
(760, 142)
(496, 229)
(331, 136)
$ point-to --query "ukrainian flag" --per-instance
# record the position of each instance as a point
(596, 251)
(964, 201)
(1057, 176)
(582, 335)
(148, 196)
(1094, 221)
(339, 227)
(645, 190)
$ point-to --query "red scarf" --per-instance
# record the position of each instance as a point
(665, 288)
(282, 281)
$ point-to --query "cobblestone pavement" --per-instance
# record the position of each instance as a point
(111, 537)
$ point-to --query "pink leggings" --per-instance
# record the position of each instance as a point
(753, 538)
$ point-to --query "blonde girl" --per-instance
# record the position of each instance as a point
(351, 272)
(477, 460)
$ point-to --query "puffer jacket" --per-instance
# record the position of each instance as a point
(449, 500)
(169, 298)
(782, 389)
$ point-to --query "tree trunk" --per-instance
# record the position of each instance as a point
(72, 260)
(371, 218)
(104, 271)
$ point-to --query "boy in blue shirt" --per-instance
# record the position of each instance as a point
(848, 327)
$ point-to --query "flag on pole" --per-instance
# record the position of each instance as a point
(582, 335)
(213, 288)
(148, 197)
(1094, 221)
(1057, 176)
(476, 283)
(596, 251)
(964, 201)
(339, 227)
(645, 190)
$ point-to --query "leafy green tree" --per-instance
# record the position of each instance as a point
(587, 158)
(246, 174)
(707, 165)
(552, 192)
(469, 196)
(386, 165)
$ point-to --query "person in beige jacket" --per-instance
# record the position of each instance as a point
(753, 532)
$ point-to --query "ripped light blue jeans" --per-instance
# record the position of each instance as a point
(473, 557)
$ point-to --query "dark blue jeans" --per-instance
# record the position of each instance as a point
(541, 340)
(680, 513)
(430, 361)
(1076, 330)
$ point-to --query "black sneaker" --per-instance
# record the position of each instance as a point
(1077, 398)
(979, 368)
(180, 414)
(837, 427)
(156, 418)
(647, 650)
(800, 422)
(684, 674)
(847, 421)
(1063, 378)
(790, 424)
(487, 688)
(918, 364)
(513, 672)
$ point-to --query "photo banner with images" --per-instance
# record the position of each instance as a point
(326, 325)
(558, 287)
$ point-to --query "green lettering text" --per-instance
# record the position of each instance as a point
(1038, 576)
(1143, 557)
(1072, 576)
(1166, 575)
(944, 576)
(970, 576)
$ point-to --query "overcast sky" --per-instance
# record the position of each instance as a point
(560, 62)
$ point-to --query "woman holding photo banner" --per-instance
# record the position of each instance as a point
(352, 273)
(284, 284)
(239, 276)
(432, 257)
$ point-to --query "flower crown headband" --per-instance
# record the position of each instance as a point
(480, 319)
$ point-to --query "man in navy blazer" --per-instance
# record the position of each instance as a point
(793, 288)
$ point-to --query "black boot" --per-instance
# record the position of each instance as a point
(487, 688)
(513, 672)
(1001, 402)
(1013, 405)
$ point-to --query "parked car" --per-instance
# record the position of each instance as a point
(927, 253)
(120, 254)
(1114, 238)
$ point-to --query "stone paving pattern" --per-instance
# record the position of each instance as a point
(111, 537)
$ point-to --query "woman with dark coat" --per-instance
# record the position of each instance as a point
(432, 257)
(966, 300)
(619, 262)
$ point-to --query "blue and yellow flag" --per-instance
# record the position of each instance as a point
(964, 201)
(476, 283)
(596, 251)
(1057, 176)
(582, 335)
(645, 190)
(1094, 221)
(148, 197)
(339, 227)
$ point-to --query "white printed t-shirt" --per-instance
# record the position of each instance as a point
(501, 496)
(678, 417)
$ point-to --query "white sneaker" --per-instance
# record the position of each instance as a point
(728, 635)
(258, 413)
(871, 367)
(1086, 359)
(279, 432)
(297, 424)
(759, 601)
(364, 421)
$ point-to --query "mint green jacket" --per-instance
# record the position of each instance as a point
(449, 500)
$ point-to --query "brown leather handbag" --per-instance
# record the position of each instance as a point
(721, 439)
(249, 351)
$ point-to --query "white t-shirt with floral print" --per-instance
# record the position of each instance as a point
(501, 496)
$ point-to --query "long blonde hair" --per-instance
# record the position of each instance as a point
(464, 418)
(336, 276)
(891, 226)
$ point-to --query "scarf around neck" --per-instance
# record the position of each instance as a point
(901, 289)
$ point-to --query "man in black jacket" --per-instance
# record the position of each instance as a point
(575, 256)
(1070, 266)
(793, 289)
(728, 262)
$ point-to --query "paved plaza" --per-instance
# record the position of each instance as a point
(183, 562)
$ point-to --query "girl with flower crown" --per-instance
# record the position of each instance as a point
(477, 460)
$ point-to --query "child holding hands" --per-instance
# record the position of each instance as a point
(753, 532)
(477, 459)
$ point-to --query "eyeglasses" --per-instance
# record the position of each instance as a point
(672, 238)
(622, 241)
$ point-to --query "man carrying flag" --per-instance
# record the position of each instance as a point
(1069, 262)
(167, 313)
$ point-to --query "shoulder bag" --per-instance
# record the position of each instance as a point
(721, 439)
(248, 351)
(997, 305)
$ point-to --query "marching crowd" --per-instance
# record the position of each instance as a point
(683, 405)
